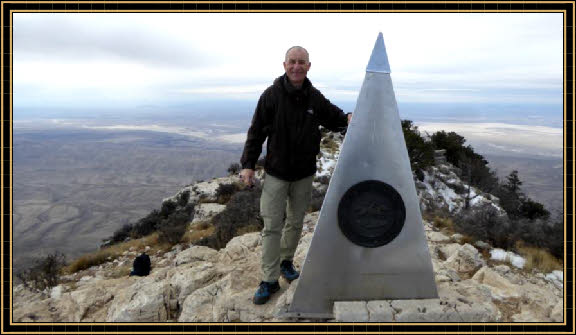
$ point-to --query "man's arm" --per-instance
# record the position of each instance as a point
(331, 116)
(254, 140)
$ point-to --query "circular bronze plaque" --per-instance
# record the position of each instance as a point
(371, 214)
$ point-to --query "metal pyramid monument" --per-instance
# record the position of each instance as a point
(369, 242)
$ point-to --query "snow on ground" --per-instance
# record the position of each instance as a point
(449, 196)
(556, 275)
(327, 163)
(507, 256)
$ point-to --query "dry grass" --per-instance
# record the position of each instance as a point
(205, 200)
(248, 229)
(197, 232)
(329, 144)
(115, 251)
(120, 271)
(444, 223)
(467, 239)
(537, 258)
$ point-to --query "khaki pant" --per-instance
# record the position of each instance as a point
(283, 205)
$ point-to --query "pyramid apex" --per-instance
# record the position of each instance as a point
(379, 59)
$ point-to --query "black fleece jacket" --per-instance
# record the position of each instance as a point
(289, 118)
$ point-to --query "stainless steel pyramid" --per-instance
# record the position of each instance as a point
(369, 242)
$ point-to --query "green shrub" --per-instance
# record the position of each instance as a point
(233, 169)
(45, 273)
(243, 210)
(121, 234)
(225, 191)
(168, 207)
(420, 151)
(147, 225)
(173, 228)
(485, 224)
(183, 198)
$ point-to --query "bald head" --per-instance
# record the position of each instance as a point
(296, 65)
(297, 48)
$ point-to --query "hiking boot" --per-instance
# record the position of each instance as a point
(265, 291)
(287, 271)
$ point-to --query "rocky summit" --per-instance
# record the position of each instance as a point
(192, 283)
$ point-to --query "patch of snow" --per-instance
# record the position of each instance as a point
(476, 199)
(449, 196)
(498, 254)
(507, 256)
(516, 260)
(556, 275)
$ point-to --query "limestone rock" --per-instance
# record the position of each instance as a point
(84, 302)
(457, 237)
(190, 277)
(206, 211)
(482, 245)
(437, 237)
(557, 313)
(447, 250)
(194, 254)
(466, 259)
(537, 301)
(240, 248)
(500, 287)
(144, 301)
(56, 292)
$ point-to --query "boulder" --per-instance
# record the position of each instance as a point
(240, 248)
(206, 211)
(144, 301)
(466, 259)
(557, 313)
(500, 287)
(482, 245)
(56, 292)
(437, 237)
(190, 277)
(528, 316)
(537, 301)
(457, 237)
(80, 304)
(225, 300)
(445, 251)
(195, 253)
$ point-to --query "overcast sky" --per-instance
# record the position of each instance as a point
(131, 59)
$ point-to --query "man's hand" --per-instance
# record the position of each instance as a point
(349, 117)
(247, 176)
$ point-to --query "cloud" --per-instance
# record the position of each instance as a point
(53, 37)
(79, 58)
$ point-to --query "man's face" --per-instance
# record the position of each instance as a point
(296, 66)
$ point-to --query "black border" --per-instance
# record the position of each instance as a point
(412, 6)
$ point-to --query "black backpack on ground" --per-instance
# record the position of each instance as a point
(141, 266)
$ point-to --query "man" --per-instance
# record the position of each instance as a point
(288, 114)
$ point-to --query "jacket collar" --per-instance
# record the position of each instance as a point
(290, 89)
